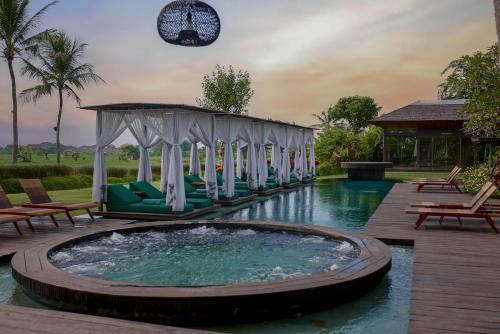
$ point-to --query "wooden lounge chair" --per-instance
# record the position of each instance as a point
(457, 205)
(479, 211)
(438, 179)
(40, 199)
(450, 181)
(6, 207)
(6, 219)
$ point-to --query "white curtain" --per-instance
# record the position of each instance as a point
(277, 138)
(194, 160)
(261, 140)
(165, 161)
(109, 126)
(146, 140)
(247, 134)
(312, 157)
(173, 129)
(239, 159)
(303, 160)
(204, 131)
(297, 169)
(285, 165)
(227, 131)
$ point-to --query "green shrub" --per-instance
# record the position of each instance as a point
(11, 186)
(475, 177)
(326, 169)
(67, 182)
(372, 144)
(118, 172)
(30, 172)
(84, 170)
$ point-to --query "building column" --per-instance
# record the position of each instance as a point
(386, 150)
(432, 152)
(418, 157)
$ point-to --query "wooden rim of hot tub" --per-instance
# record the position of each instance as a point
(202, 304)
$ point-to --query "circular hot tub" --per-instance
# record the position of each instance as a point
(187, 273)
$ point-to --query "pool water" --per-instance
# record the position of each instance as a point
(333, 203)
(203, 256)
(386, 309)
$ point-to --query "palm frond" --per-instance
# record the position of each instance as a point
(35, 93)
(72, 94)
(32, 23)
(34, 72)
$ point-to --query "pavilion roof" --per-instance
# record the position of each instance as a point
(134, 106)
(424, 113)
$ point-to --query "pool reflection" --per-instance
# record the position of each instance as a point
(333, 203)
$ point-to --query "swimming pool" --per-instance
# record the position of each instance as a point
(332, 203)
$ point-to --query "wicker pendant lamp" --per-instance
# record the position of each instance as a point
(189, 23)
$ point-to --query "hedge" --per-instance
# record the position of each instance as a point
(40, 171)
(12, 186)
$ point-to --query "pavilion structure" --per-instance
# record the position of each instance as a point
(170, 125)
(426, 135)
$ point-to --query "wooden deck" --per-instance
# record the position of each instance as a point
(17, 320)
(456, 270)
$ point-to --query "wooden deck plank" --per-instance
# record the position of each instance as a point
(456, 276)
(28, 320)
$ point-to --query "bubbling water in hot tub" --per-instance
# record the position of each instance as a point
(203, 256)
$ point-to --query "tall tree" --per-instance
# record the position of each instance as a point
(325, 121)
(476, 78)
(227, 90)
(16, 26)
(353, 112)
(496, 4)
(60, 69)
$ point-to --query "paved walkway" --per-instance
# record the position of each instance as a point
(456, 270)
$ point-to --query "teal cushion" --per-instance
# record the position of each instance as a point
(162, 209)
(153, 201)
(193, 178)
(149, 190)
(241, 185)
(198, 195)
(118, 194)
(220, 179)
(199, 203)
(188, 188)
(243, 192)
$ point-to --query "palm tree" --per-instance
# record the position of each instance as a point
(325, 120)
(496, 4)
(61, 70)
(15, 28)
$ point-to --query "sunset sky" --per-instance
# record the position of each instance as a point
(303, 55)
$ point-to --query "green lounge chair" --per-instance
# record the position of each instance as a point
(192, 192)
(151, 192)
(193, 179)
(240, 188)
(121, 199)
